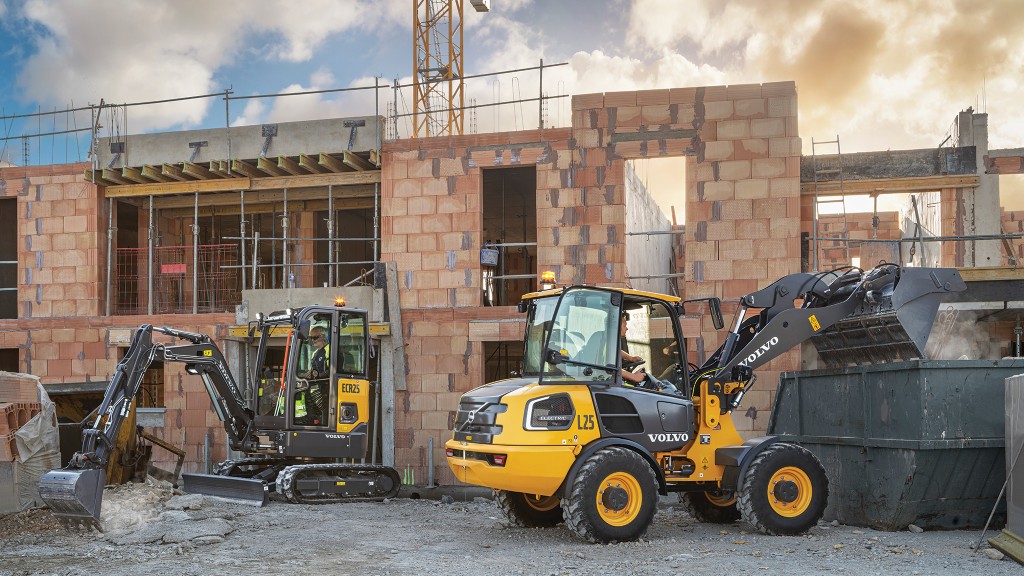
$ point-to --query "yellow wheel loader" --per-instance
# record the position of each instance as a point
(306, 408)
(581, 437)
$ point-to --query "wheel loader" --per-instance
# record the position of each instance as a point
(572, 440)
(299, 419)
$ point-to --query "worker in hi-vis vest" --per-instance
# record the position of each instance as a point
(310, 403)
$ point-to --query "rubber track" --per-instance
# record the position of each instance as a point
(286, 482)
(223, 467)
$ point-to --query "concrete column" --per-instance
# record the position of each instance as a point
(981, 205)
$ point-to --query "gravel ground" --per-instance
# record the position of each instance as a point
(147, 532)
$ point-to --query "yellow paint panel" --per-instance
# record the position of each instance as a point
(356, 392)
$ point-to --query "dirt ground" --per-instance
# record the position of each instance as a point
(148, 532)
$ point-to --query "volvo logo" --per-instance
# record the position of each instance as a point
(668, 437)
(760, 351)
(336, 436)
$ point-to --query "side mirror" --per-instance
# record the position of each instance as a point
(303, 330)
(716, 313)
(523, 307)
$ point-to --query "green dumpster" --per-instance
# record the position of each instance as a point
(917, 442)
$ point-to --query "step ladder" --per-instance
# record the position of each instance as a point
(831, 240)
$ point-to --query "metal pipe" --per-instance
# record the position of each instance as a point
(657, 232)
(376, 414)
(227, 125)
(358, 278)
(330, 234)
(241, 228)
(430, 462)
(540, 100)
(284, 245)
(195, 261)
(110, 246)
(299, 265)
(509, 244)
(255, 256)
(303, 239)
(149, 272)
(652, 276)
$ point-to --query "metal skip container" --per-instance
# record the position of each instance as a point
(919, 442)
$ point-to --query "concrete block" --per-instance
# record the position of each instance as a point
(715, 94)
(587, 101)
(718, 150)
(751, 189)
(734, 170)
(653, 97)
(733, 129)
(721, 110)
(752, 148)
(782, 106)
(721, 190)
(743, 91)
(749, 108)
(618, 99)
(767, 128)
(768, 167)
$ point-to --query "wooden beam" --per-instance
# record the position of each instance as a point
(310, 164)
(892, 185)
(220, 168)
(173, 172)
(134, 175)
(375, 158)
(276, 207)
(231, 198)
(188, 187)
(154, 174)
(991, 273)
(245, 169)
(368, 177)
(269, 167)
(111, 175)
(197, 171)
(95, 177)
(357, 163)
(333, 164)
(289, 166)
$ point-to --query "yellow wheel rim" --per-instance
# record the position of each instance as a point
(781, 496)
(721, 500)
(541, 503)
(619, 499)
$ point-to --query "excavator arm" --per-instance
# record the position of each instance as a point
(76, 491)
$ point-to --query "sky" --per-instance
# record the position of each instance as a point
(880, 74)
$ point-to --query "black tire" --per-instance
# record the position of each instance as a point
(529, 511)
(713, 508)
(628, 506)
(798, 498)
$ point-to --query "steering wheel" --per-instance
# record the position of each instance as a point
(632, 366)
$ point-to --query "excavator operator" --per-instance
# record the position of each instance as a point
(311, 403)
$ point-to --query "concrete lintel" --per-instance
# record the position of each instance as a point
(654, 135)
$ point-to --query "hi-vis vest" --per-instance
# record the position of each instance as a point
(300, 405)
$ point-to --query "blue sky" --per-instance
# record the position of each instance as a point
(880, 74)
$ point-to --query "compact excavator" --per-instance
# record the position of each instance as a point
(305, 414)
(573, 439)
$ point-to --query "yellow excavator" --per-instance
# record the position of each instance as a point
(308, 409)
(581, 437)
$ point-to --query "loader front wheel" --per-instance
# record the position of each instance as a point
(711, 507)
(613, 497)
(528, 510)
(784, 492)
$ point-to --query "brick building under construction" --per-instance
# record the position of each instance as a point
(201, 230)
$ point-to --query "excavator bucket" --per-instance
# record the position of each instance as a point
(244, 490)
(892, 326)
(74, 494)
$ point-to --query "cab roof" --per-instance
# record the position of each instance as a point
(624, 291)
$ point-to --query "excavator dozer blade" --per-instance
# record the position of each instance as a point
(244, 490)
(74, 494)
(895, 326)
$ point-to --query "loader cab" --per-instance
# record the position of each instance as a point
(577, 336)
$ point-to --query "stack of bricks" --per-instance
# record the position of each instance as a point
(19, 403)
(857, 226)
(60, 226)
(1013, 223)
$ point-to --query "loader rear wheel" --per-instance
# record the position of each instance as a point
(530, 511)
(613, 497)
(711, 507)
(784, 492)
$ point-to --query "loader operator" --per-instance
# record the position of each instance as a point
(310, 403)
(640, 379)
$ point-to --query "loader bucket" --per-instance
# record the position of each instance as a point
(74, 494)
(242, 490)
(895, 326)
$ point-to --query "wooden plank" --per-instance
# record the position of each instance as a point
(357, 163)
(114, 176)
(97, 177)
(310, 164)
(893, 185)
(269, 167)
(375, 158)
(188, 187)
(333, 164)
(173, 172)
(368, 177)
(289, 166)
(197, 171)
(154, 174)
(245, 169)
(134, 175)
(991, 273)
(219, 167)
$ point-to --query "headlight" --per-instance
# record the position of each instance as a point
(554, 412)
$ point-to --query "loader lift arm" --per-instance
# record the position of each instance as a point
(76, 491)
(852, 316)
